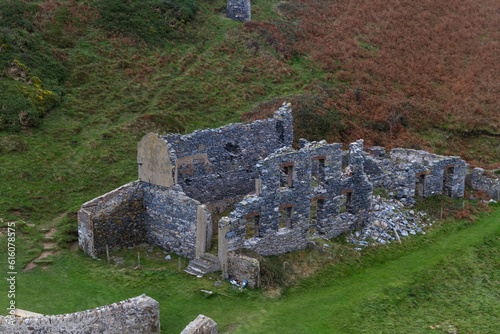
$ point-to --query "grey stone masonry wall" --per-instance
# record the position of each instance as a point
(201, 325)
(290, 181)
(139, 315)
(141, 212)
(480, 181)
(114, 219)
(217, 166)
(408, 173)
(246, 268)
(238, 10)
(170, 219)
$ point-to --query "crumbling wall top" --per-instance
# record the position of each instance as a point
(417, 156)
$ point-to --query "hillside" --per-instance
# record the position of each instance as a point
(83, 81)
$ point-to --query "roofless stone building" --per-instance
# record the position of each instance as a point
(279, 195)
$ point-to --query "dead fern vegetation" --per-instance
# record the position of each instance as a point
(407, 66)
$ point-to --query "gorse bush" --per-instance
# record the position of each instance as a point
(16, 14)
(26, 60)
(23, 104)
(149, 21)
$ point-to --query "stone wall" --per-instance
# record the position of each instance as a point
(277, 219)
(170, 219)
(217, 166)
(480, 181)
(282, 195)
(142, 212)
(242, 268)
(238, 10)
(407, 173)
(153, 161)
(114, 219)
(139, 315)
(201, 325)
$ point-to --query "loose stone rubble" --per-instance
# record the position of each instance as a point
(390, 221)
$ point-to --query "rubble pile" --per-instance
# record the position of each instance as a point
(390, 221)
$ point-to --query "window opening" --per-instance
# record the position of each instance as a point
(315, 213)
(420, 185)
(447, 180)
(286, 176)
(317, 172)
(285, 217)
(346, 201)
(252, 226)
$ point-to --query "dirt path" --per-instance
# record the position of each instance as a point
(49, 246)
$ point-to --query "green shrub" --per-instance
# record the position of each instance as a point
(14, 14)
(20, 40)
(26, 57)
(150, 21)
(23, 104)
(15, 107)
(314, 119)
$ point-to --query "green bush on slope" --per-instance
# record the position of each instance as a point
(25, 61)
(150, 21)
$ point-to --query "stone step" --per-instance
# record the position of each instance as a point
(201, 263)
(209, 257)
(194, 271)
(197, 269)
(204, 264)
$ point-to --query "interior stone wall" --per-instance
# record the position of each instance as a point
(170, 219)
(114, 219)
(480, 181)
(217, 166)
(141, 212)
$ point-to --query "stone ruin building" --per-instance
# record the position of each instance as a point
(279, 196)
(238, 10)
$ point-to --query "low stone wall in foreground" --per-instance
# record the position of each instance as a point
(139, 315)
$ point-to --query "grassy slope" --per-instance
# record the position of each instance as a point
(118, 91)
(384, 291)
